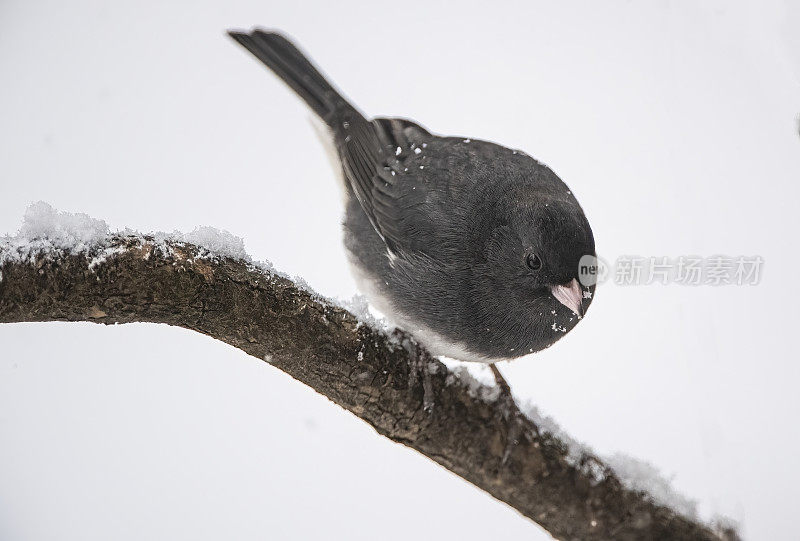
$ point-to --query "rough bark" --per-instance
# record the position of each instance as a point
(363, 370)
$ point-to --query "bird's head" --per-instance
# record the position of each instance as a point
(530, 271)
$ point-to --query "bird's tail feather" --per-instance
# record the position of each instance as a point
(286, 60)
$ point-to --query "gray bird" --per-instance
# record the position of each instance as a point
(471, 247)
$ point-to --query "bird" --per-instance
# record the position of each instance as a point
(471, 247)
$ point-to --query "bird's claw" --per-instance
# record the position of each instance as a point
(420, 362)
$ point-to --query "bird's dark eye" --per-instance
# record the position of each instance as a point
(533, 261)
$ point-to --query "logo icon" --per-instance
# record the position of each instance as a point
(592, 270)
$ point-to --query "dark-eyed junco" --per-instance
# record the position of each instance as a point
(471, 247)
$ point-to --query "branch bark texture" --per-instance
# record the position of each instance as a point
(385, 383)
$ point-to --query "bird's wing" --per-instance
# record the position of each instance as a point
(383, 166)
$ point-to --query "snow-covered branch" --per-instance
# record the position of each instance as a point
(71, 268)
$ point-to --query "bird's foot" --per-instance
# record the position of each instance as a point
(511, 412)
(505, 388)
(420, 362)
(424, 373)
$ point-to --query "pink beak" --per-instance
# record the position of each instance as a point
(570, 295)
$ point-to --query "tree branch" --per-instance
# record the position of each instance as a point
(141, 279)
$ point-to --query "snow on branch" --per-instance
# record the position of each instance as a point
(70, 267)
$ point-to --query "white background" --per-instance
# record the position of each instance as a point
(674, 124)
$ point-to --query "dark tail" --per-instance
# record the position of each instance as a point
(282, 57)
